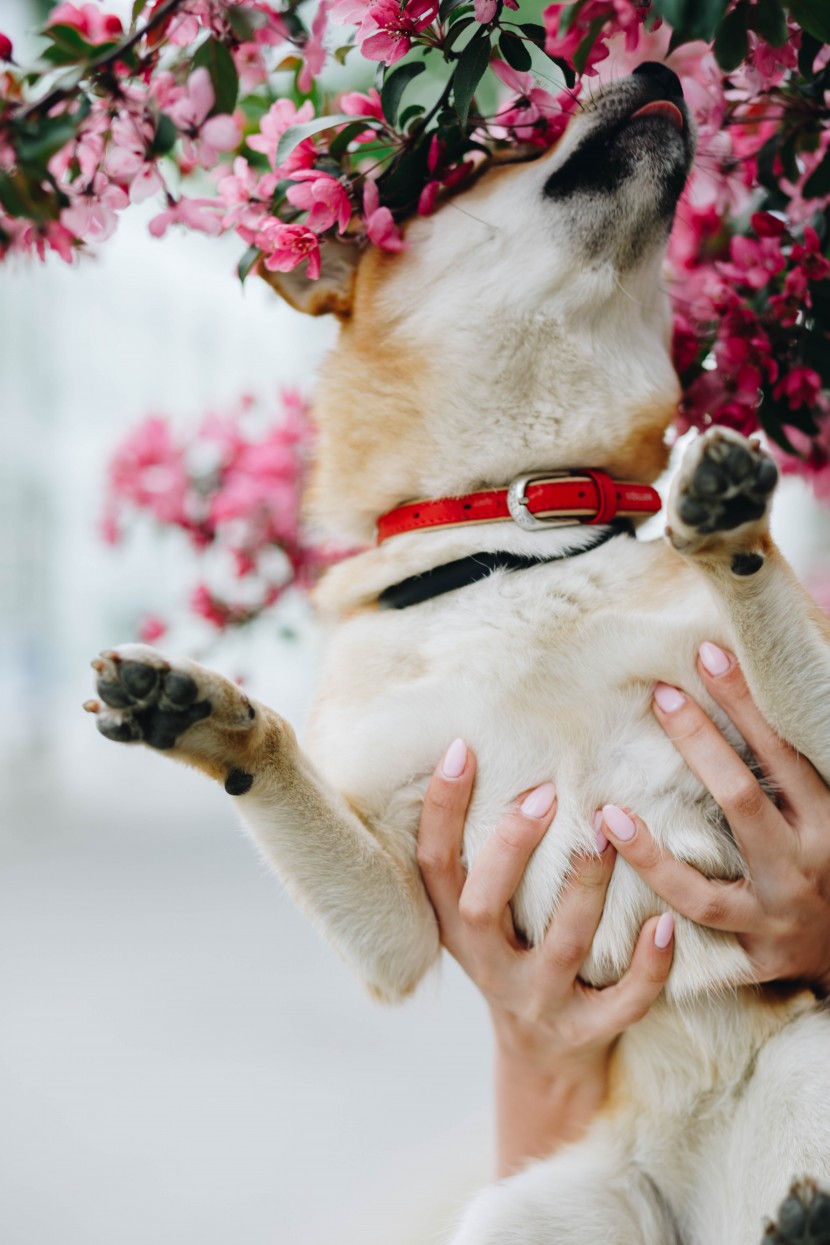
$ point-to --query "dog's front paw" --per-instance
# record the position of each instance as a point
(803, 1218)
(149, 698)
(724, 484)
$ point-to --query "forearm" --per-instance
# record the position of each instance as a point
(539, 1109)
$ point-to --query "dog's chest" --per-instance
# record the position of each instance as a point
(547, 674)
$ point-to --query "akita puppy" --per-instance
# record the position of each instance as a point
(524, 333)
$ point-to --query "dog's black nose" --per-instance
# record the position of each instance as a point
(667, 78)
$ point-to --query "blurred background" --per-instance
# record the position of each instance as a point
(181, 1059)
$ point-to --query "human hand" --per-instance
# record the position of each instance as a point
(553, 1033)
(781, 910)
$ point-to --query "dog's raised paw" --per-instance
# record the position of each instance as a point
(147, 698)
(725, 482)
(803, 1217)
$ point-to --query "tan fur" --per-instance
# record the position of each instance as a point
(526, 331)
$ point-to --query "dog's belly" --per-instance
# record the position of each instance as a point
(547, 674)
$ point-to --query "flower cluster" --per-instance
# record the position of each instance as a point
(222, 111)
(233, 488)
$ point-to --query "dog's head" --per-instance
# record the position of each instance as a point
(523, 328)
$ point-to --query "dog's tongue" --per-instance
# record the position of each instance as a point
(662, 108)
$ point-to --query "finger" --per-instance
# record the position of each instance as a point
(791, 773)
(621, 1005)
(441, 831)
(497, 871)
(719, 905)
(575, 922)
(762, 834)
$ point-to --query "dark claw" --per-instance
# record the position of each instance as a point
(180, 689)
(139, 679)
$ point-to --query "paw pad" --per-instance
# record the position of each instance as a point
(730, 485)
(151, 703)
(803, 1218)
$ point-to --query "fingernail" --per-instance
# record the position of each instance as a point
(599, 836)
(455, 759)
(713, 659)
(664, 931)
(539, 801)
(618, 822)
(669, 698)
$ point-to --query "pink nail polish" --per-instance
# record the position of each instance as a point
(619, 823)
(713, 659)
(599, 835)
(664, 931)
(668, 698)
(455, 759)
(539, 801)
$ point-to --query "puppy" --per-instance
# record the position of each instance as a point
(524, 333)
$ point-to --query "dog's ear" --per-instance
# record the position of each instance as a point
(333, 289)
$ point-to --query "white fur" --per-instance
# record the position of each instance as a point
(544, 338)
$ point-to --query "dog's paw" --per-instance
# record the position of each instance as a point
(803, 1218)
(724, 483)
(148, 698)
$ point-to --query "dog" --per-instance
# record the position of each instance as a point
(524, 331)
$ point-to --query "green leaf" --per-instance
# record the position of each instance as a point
(244, 22)
(766, 164)
(584, 50)
(812, 16)
(138, 8)
(514, 52)
(458, 29)
(472, 65)
(164, 137)
(789, 158)
(341, 141)
(731, 40)
(448, 6)
(247, 262)
(409, 113)
(340, 54)
(394, 85)
(807, 53)
(818, 183)
(213, 56)
(768, 19)
(10, 197)
(535, 32)
(36, 145)
(295, 134)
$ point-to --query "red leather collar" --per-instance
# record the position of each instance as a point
(544, 499)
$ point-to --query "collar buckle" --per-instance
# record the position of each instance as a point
(519, 505)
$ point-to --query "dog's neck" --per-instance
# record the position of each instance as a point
(359, 581)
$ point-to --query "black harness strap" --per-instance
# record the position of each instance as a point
(464, 571)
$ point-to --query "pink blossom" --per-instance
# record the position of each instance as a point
(323, 197)
(380, 224)
(151, 629)
(485, 10)
(754, 263)
(91, 214)
(148, 470)
(356, 104)
(203, 137)
(388, 28)
(6, 49)
(313, 51)
(800, 387)
(129, 159)
(535, 116)
(196, 214)
(279, 118)
(286, 246)
(95, 26)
